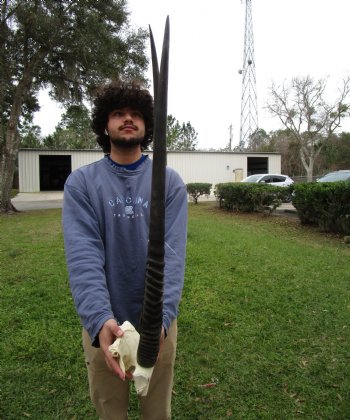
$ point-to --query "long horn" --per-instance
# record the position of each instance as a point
(155, 66)
(152, 311)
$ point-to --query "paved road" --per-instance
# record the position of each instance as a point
(53, 200)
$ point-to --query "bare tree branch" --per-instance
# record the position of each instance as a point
(302, 109)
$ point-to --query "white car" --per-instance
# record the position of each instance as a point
(278, 180)
(342, 175)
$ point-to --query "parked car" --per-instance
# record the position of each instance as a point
(278, 180)
(343, 175)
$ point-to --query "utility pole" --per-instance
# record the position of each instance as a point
(249, 107)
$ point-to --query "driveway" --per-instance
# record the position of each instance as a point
(53, 200)
(38, 201)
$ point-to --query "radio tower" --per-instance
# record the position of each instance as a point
(249, 108)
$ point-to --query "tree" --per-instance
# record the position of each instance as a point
(196, 189)
(259, 141)
(302, 109)
(336, 154)
(67, 46)
(180, 136)
(30, 136)
(342, 151)
(283, 142)
(73, 131)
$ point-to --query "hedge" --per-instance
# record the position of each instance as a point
(326, 204)
(250, 197)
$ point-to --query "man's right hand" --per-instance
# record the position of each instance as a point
(107, 335)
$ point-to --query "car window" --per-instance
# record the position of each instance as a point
(266, 179)
(252, 178)
(278, 179)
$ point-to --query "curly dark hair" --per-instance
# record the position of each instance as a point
(120, 95)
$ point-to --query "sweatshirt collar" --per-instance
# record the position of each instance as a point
(129, 167)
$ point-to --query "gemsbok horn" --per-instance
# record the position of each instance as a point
(152, 312)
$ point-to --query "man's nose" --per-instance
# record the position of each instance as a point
(128, 116)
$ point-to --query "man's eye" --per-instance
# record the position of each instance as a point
(137, 114)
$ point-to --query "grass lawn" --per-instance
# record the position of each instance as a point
(264, 328)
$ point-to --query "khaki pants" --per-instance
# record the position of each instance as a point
(110, 395)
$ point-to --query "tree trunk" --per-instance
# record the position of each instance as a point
(309, 173)
(308, 166)
(7, 166)
(9, 145)
(9, 151)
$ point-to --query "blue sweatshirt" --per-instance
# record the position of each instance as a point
(106, 211)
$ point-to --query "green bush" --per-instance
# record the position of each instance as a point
(249, 197)
(326, 204)
(196, 189)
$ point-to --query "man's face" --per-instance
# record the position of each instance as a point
(126, 127)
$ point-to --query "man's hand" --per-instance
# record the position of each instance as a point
(107, 335)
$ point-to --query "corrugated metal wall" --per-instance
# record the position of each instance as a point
(215, 167)
(28, 171)
(211, 167)
(82, 158)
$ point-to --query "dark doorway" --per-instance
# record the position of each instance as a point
(54, 171)
(257, 165)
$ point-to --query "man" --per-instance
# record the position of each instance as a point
(106, 216)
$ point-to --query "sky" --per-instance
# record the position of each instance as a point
(292, 38)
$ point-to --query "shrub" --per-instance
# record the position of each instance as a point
(326, 204)
(286, 193)
(196, 189)
(249, 197)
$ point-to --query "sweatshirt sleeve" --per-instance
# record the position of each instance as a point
(85, 257)
(175, 247)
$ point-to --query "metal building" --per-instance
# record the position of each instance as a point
(47, 170)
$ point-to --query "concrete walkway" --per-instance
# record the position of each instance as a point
(38, 201)
(53, 200)
(286, 209)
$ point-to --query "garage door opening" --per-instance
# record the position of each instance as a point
(257, 165)
(54, 171)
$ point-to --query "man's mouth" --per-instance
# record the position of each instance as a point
(128, 127)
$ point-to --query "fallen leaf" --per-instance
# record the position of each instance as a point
(304, 363)
(210, 385)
